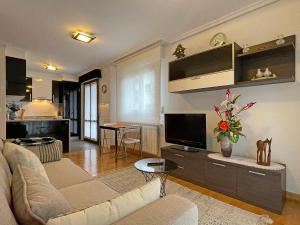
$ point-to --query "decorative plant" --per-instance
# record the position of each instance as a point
(13, 107)
(230, 125)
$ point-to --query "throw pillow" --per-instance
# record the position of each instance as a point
(18, 155)
(35, 200)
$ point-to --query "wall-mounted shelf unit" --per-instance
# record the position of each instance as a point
(228, 67)
(280, 59)
(209, 69)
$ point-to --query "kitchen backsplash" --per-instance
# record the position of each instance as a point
(37, 108)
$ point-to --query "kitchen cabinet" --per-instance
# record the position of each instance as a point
(57, 91)
(15, 76)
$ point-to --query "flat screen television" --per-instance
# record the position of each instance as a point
(188, 130)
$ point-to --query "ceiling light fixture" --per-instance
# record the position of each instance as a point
(80, 36)
(39, 80)
(50, 67)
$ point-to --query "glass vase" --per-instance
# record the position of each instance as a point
(226, 147)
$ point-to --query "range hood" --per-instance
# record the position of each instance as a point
(14, 98)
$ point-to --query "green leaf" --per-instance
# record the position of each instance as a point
(234, 137)
(235, 98)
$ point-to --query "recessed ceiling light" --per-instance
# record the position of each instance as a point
(80, 36)
(50, 67)
(39, 80)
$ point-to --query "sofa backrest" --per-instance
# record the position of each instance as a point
(7, 217)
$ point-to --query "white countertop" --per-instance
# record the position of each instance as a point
(37, 119)
(245, 161)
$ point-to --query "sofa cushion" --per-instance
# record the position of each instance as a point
(65, 173)
(18, 155)
(7, 217)
(35, 200)
(111, 211)
(170, 210)
(84, 195)
(49, 152)
(5, 178)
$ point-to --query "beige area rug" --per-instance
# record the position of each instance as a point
(211, 211)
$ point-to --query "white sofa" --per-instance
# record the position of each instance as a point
(94, 203)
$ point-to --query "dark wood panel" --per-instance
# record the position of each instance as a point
(221, 177)
(261, 188)
(15, 76)
(213, 60)
(190, 164)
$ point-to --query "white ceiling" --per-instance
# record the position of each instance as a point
(43, 27)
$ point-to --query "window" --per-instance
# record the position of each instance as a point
(138, 88)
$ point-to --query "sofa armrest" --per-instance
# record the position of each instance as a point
(171, 210)
(111, 211)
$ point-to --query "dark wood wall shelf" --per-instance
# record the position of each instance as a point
(279, 59)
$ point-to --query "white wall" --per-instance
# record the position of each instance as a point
(104, 98)
(276, 113)
(2, 93)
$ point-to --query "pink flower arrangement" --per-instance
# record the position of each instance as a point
(228, 111)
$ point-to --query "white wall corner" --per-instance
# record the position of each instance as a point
(221, 20)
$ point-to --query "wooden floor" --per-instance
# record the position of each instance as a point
(91, 161)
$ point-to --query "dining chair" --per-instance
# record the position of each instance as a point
(105, 142)
(131, 136)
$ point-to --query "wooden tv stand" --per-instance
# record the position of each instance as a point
(261, 187)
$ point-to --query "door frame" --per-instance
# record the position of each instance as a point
(83, 118)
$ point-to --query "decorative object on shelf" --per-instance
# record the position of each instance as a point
(179, 51)
(280, 40)
(267, 72)
(22, 114)
(259, 73)
(229, 128)
(263, 75)
(245, 48)
(13, 108)
(217, 40)
(262, 157)
(104, 89)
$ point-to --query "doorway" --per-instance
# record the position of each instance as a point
(90, 111)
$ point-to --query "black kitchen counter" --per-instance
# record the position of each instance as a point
(56, 128)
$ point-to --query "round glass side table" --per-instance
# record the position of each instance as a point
(156, 167)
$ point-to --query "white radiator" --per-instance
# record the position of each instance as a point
(150, 136)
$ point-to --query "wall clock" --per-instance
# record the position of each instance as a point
(104, 88)
(217, 40)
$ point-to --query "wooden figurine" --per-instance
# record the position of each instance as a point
(179, 51)
(262, 157)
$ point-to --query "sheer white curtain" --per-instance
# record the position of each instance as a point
(138, 87)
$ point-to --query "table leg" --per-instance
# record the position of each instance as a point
(162, 177)
(116, 145)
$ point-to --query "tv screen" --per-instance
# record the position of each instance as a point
(186, 129)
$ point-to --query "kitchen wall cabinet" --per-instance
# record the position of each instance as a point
(15, 76)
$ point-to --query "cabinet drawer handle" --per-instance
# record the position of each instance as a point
(179, 155)
(219, 164)
(181, 167)
(257, 173)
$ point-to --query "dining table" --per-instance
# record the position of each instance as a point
(116, 127)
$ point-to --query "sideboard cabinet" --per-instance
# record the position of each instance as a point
(258, 186)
